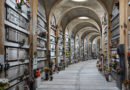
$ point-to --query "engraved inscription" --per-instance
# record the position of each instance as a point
(11, 54)
(16, 18)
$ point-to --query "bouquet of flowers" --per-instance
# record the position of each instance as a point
(118, 70)
(46, 69)
(114, 55)
(4, 84)
(126, 82)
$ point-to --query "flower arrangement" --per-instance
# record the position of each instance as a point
(104, 67)
(51, 63)
(118, 70)
(100, 68)
(128, 54)
(26, 72)
(67, 53)
(19, 4)
(109, 69)
(37, 73)
(4, 84)
(42, 34)
(114, 64)
(126, 82)
(114, 55)
(46, 69)
(26, 87)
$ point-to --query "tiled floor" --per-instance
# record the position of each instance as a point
(80, 76)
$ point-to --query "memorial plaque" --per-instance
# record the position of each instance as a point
(12, 16)
(21, 37)
(16, 18)
(52, 54)
(22, 68)
(13, 75)
(53, 21)
(11, 54)
(23, 54)
(41, 54)
(40, 43)
(11, 34)
(11, 1)
(61, 53)
(52, 46)
(21, 85)
(23, 23)
(115, 21)
(52, 39)
(52, 32)
(41, 9)
(17, 71)
(41, 22)
(115, 32)
(41, 64)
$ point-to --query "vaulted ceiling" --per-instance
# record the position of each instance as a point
(67, 13)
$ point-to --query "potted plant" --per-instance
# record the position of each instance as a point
(51, 63)
(46, 69)
(118, 70)
(108, 74)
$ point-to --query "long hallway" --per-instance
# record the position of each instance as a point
(80, 76)
(39, 37)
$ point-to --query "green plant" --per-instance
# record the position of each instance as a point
(35, 54)
(51, 63)
(46, 69)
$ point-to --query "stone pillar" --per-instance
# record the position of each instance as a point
(2, 34)
(124, 28)
(102, 42)
(57, 45)
(33, 35)
(109, 40)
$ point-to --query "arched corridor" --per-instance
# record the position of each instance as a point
(39, 38)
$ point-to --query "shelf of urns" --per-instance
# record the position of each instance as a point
(41, 38)
(67, 50)
(16, 42)
(53, 42)
(61, 45)
(82, 51)
(115, 31)
(105, 34)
